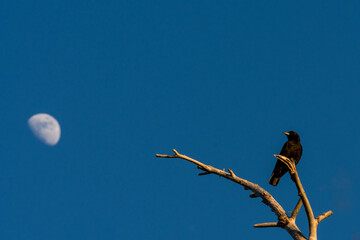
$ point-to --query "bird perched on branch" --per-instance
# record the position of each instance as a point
(292, 149)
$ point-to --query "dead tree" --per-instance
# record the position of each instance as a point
(284, 221)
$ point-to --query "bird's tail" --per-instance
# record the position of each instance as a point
(274, 180)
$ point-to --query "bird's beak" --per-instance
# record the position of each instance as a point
(286, 133)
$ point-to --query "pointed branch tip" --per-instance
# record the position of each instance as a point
(253, 195)
(324, 215)
(266, 225)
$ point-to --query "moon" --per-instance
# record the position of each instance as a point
(45, 127)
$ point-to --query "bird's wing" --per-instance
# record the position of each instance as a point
(284, 150)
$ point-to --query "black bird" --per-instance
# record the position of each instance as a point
(292, 149)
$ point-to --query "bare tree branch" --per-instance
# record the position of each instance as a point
(285, 222)
(257, 190)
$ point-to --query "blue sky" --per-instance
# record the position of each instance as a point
(218, 81)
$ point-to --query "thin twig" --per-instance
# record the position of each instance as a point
(296, 209)
(203, 173)
(323, 216)
(253, 195)
(232, 173)
(266, 225)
